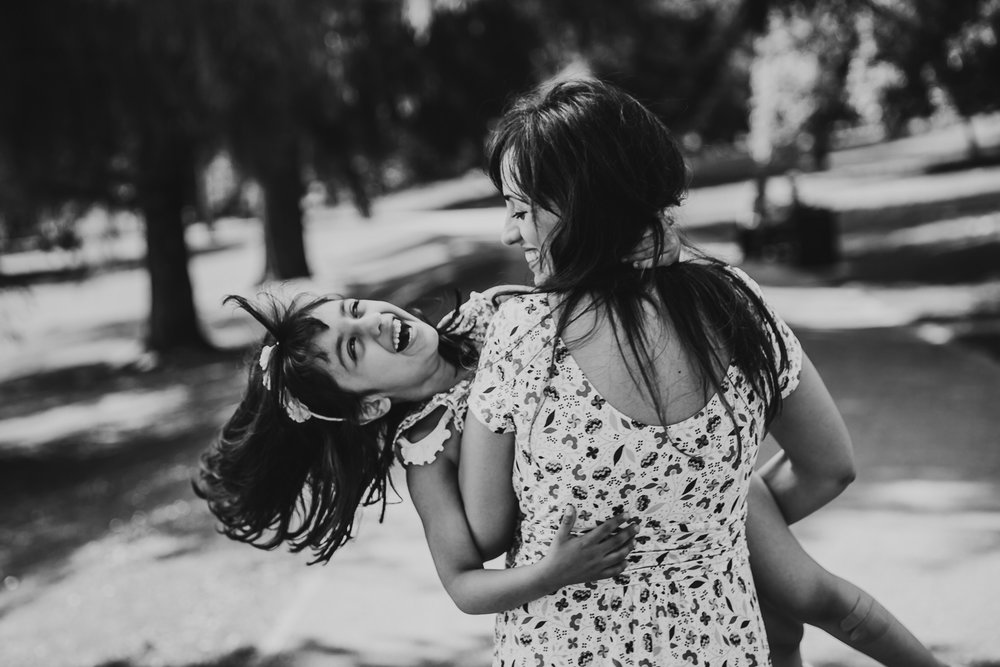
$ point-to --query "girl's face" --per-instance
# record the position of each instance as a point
(523, 228)
(375, 347)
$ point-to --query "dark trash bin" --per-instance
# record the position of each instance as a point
(817, 241)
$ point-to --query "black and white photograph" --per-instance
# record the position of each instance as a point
(500, 333)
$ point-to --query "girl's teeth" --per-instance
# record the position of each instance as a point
(396, 327)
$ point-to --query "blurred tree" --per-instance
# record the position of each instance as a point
(971, 68)
(471, 57)
(105, 104)
(676, 56)
(951, 44)
(313, 90)
(798, 82)
(262, 50)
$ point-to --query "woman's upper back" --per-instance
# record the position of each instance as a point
(597, 348)
(526, 343)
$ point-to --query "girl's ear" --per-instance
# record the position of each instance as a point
(374, 407)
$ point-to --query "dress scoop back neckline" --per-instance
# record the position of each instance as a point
(704, 410)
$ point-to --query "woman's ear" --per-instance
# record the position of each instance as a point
(374, 407)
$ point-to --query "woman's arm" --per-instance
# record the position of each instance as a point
(817, 461)
(475, 590)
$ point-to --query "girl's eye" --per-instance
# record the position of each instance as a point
(519, 215)
(352, 348)
(354, 307)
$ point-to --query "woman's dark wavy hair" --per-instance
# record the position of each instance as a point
(610, 170)
(270, 480)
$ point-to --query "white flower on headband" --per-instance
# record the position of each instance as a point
(296, 410)
(265, 359)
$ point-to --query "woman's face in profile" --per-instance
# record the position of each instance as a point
(526, 226)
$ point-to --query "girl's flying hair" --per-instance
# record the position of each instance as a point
(278, 475)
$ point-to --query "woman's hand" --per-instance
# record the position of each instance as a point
(597, 554)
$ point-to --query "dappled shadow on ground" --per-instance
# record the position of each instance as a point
(83, 271)
(75, 465)
(925, 263)
(986, 158)
(313, 653)
(243, 657)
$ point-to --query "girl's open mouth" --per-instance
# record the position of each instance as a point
(401, 332)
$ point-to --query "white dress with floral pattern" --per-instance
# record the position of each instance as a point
(474, 317)
(686, 597)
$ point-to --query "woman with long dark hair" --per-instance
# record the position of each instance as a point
(646, 391)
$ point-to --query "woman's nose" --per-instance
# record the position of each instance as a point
(510, 234)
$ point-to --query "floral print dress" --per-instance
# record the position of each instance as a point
(687, 596)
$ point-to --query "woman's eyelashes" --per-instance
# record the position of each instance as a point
(354, 308)
(519, 215)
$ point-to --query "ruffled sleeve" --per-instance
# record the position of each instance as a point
(791, 369)
(452, 419)
(426, 449)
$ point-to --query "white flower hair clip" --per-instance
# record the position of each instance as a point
(265, 359)
(294, 408)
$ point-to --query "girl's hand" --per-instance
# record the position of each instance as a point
(504, 292)
(642, 256)
(597, 554)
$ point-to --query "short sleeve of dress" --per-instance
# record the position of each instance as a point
(790, 370)
(493, 396)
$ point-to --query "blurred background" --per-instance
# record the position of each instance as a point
(158, 155)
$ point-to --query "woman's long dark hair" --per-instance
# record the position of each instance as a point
(609, 169)
(270, 480)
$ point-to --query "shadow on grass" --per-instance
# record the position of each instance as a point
(312, 652)
(987, 158)
(927, 264)
(81, 272)
(89, 479)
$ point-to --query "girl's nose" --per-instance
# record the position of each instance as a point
(369, 323)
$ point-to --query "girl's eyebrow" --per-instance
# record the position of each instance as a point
(338, 346)
(514, 198)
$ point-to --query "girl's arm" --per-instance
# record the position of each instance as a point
(484, 478)
(790, 581)
(817, 461)
(475, 590)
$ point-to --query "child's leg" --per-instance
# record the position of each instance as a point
(784, 635)
(791, 581)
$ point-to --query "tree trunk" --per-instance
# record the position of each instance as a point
(281, 181)
(173, 321)
(733, 23)
(975, 153)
